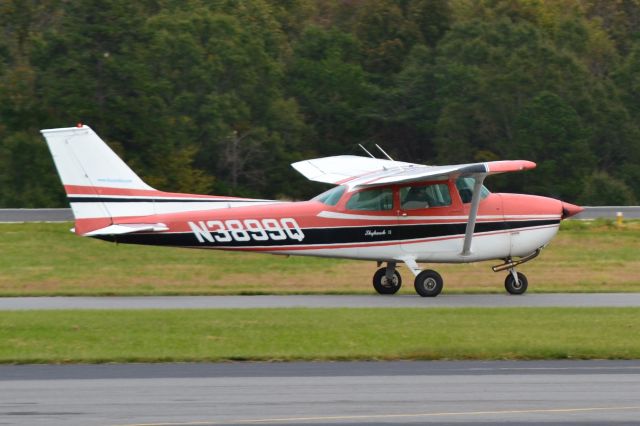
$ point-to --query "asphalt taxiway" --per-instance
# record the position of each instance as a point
(324, 301)
(439, 392)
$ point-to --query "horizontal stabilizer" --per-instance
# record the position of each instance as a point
(128, 228)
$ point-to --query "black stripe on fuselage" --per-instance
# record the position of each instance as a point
(156, 200)
(330, 236)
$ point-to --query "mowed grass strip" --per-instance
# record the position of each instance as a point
(318, 334)
(41, 259)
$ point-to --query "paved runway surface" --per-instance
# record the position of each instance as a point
(442, 392)
(363, 301)
(36, 215)
(609, 212)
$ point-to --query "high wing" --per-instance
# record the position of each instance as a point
(343, 168)
(359, 171)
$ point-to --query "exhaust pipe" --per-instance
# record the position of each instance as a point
(513, 263)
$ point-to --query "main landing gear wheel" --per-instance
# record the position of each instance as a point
(384, 285)
(514, 287)
(428, 283)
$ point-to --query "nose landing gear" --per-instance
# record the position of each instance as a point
(515, 282)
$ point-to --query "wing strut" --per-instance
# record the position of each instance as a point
(473, 214)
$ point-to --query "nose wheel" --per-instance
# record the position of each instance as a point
(516, 283)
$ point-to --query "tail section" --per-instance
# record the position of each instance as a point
(90, 170)
(83, 160)
(106, 196)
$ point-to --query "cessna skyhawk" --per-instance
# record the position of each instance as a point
(380, 210)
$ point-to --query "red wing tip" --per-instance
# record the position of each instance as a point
(510, 166)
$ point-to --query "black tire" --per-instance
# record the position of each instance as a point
(382, 284)
(428, 283)
(514, 287)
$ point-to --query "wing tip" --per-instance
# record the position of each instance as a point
(510, 166)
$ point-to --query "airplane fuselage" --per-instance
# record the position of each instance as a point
(507, 225)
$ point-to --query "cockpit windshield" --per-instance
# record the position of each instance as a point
(465, 189)
(330, 197)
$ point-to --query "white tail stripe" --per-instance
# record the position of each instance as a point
(124, 209)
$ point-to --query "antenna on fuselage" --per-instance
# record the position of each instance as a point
(365, 150)
(385, 154)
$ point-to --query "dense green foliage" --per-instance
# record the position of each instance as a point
(220, 96)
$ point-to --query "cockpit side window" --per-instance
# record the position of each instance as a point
(465, 189)
(371, 199)
(425, 196)
(331, 197)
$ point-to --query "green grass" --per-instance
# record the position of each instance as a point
(318, 334)
(46, 259)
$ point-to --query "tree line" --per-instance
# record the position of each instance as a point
(221, 96)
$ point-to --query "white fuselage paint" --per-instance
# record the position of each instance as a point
(485, 246)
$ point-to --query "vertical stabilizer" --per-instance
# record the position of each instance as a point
(92, 173)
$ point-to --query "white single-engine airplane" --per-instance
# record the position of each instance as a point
(381, 210)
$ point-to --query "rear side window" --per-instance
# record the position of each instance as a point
(371, 199)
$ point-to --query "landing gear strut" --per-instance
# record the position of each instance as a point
(387, 280)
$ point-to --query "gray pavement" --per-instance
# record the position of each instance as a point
(65, 215)
(324, 301)
(442, 392)
(35, 215)
(609, 212)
